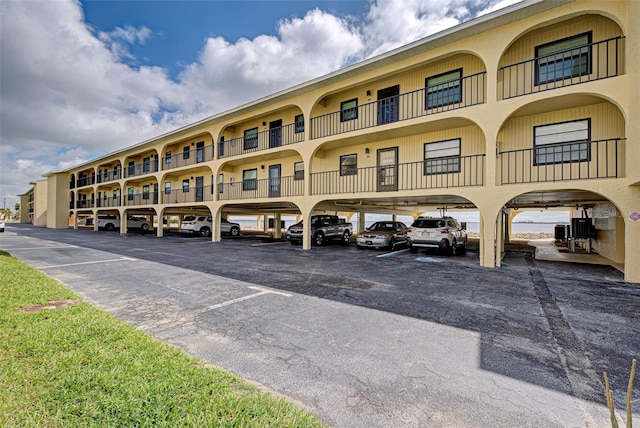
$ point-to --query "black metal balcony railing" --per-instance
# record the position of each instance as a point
(106, 176)
(264, 188)
(429, 174)
(84, 203)
(264, 140)
(141, 169)
(192, 157)
(193, 194)
(455, 94)
(109, 201)
(561, 162)
(144, 198)
(85, 181)
(583, 64)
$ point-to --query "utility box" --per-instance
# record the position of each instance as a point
(581, 228)
(560, 232)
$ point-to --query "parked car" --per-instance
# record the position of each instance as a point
(112, 222)
(324, 228)
(1, 225)
(204, 224)
(383, 234)
(445, 234)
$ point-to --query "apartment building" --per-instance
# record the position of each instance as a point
(533, 106)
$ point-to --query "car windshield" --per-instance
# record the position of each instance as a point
(382, 226)
(429, 223)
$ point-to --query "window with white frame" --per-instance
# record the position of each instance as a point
(563, 59)
(443, 89)
(562, 142)
(251, 138)
(145, 191)
(185, 152)
(167, 187)
(349, 110)
(185, 185)
(298, 171)
(349, 164)
(250, 179)
(442, 157)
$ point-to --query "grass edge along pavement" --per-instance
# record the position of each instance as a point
(76, 365)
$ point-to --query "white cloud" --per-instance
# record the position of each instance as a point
(68, 93)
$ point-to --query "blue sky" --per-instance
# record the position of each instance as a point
(80, 79)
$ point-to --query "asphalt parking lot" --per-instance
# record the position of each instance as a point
(368, 338)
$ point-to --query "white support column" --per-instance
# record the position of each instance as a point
(277, 230)
(499, 240)
(361, 220)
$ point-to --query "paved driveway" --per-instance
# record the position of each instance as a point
(360, 340)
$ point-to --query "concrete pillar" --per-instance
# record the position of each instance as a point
(265, 223)
(487, 240)
(123, 224)
(277, 230)
(499, 240)
(361, 221)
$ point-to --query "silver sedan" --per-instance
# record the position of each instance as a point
(383, 234)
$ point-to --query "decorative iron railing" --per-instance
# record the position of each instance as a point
(192, 157)
(263, 188)
(264, 140)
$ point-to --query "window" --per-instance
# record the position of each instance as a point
(167, 187)
(130, 193)
(562, 142)
(185, 185)
(221, 183)
(146, 162)
(251, 138)
(221, 147)
(349, 164)
(299, 123)
(185, 153)
(563, 59)
(442, 157)
(145, 192)
(298, 171)
(250, 179)
(444, 89)
(349, 110)
(167, 157)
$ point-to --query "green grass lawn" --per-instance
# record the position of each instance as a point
(78, 366)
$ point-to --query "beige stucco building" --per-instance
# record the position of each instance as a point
(533, 106)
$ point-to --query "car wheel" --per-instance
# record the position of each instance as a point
(109, 227)
(463, 248)
(346, 237)
(319, 239)
(234, 231)
(413, 249)
(205, 231)
(453, 249)
(144, 227)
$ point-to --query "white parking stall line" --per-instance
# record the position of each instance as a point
(46, 247)
(280, 293)
(121, 259)
(394, 253)
(269, 243)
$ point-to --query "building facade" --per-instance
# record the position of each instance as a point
(533, 106)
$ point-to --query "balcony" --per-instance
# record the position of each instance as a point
(264, 188)
(141, 169)
(84, 203)
(144, 198)
(561, 162)
(574, 66)
(107, 176)
(193, 194)
(454, 94)
(458, 171)
(192, 157)
(85, 181)
(264, 140)
(108, 202)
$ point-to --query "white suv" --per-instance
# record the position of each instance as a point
(202, 224)
(443, 233)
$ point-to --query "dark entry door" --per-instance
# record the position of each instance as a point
(388, 105)
(200, 152)
(388, 169)
(274, 181)
(199, 188)
(275, 133)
